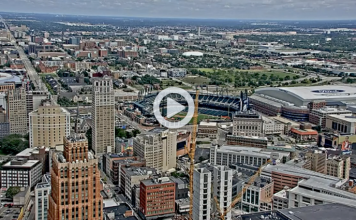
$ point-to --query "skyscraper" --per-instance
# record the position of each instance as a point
(48, 125)
(16, 110)
(75, 183)
(201, 194)
(103, 116)
(223, 188)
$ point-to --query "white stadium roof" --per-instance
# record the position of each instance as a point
(193, 53)
(310, 93)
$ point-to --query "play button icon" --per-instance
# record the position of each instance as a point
(173, 107)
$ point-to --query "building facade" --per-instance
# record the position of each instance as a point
(223, 188)
(103, 116)
(21, 172)
(16, 110)
(48, 125)
(75, 183)
(201, 194)
(157, 198)
(42, 192)
(159, 148)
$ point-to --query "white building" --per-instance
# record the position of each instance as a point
(21, 172)
(158, 147)
(42, 191)
(342, 123)
(258, 196)
(271, 126)
(223, 188)
(227, 155)
(201, 194)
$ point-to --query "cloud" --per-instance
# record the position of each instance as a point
(239, 9)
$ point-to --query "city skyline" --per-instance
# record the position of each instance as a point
(227, 9)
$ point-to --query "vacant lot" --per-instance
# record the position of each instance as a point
(196, 80)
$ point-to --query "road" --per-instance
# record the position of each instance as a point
(31, 72)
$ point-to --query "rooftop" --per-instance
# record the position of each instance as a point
(20, 163)
(347, 117)
(156, 181)
(118, 212)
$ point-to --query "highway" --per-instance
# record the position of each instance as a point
(31, 72)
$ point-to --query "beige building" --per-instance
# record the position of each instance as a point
(158, 147)
(316, 161)
(103, 116)
(342, 123)
(48, 125)
(338, 167)
(247, 123)
(208, 130)
(16, 110)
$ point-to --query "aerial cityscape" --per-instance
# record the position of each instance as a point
(178, 110)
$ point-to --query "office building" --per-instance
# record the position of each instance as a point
(16, 110)
(207, 130)
(131, 176)
(103, 116)
(247, 123)
(280, 199)
(112, 164)
(21, 172)
(37, 153)
(182, 188)
(324, 212)
(223, 188)
(42, 192)
(226, 155)
(258, 196)
(75, 180)
(307, 187)
(48, 125)
(260, 142)
(318, 116)
(338, 166)
(345, 123)
(158, 147)
(201, 194)
(157, 198)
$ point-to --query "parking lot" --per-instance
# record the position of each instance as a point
(9, 213)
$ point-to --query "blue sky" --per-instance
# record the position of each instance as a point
(234, 9)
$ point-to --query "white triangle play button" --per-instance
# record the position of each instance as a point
(173, 107)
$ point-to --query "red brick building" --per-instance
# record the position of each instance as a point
(157, 198)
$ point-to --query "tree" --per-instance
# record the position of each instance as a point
(89, 137)
(136, 132)
(13, 144)
(12, 191)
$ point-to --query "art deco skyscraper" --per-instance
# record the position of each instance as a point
(75, 183)
(103, 116)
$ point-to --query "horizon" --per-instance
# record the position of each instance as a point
(294, 10)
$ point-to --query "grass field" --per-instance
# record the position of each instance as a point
(201, 117)
(208, 70)
(196, 80)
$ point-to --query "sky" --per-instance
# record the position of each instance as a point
(215, 9)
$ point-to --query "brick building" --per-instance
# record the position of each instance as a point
(75, 183)
(157, 198)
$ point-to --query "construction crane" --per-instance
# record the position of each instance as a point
(191, 153)
(222, 212)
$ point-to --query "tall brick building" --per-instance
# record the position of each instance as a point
(75, 183)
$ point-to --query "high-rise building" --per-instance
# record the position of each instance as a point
(21, 172)
(16, 110)
(75, 183)
(157, 198)
(223, 188)
(4, 125)
(158, 147)
(42, 192)
(201, 194)
(48, 125)
(103, 116)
